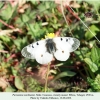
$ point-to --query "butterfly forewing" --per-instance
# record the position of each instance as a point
(29, 51)
(67, 43)
(75, 44)
(27, 54)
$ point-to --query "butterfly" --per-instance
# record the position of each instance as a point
(44, 50)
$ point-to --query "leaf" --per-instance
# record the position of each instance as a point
(7, 13)
(18, 83)
(95, 55)
(92, 65)
(89, 35)
(10, 89)
(63, 74)
(94, 3)
(94, 83)
(5, 39)
(19, 22)
(14, 71)
(25, 18)
(1, 5)
(34, 30)
(20, 42)
(34, 2)
(46, 5)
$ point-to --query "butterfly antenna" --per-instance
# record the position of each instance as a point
(86, 26)
(62, 10)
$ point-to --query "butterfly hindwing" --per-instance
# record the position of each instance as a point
(42, 56)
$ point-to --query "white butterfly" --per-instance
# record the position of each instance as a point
(44, 50)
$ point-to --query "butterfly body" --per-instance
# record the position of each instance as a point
(44, 50)
(51, 46)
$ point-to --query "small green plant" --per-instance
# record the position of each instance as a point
(94, 84)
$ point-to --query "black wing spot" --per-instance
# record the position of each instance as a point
(32, 46)
(37, 43)
(61, 39)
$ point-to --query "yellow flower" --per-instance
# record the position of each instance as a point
(50, 35)
(42, 39)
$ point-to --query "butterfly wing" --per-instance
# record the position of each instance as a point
(42, 56)
(37, 51)
(29, 51)
(64, 46)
